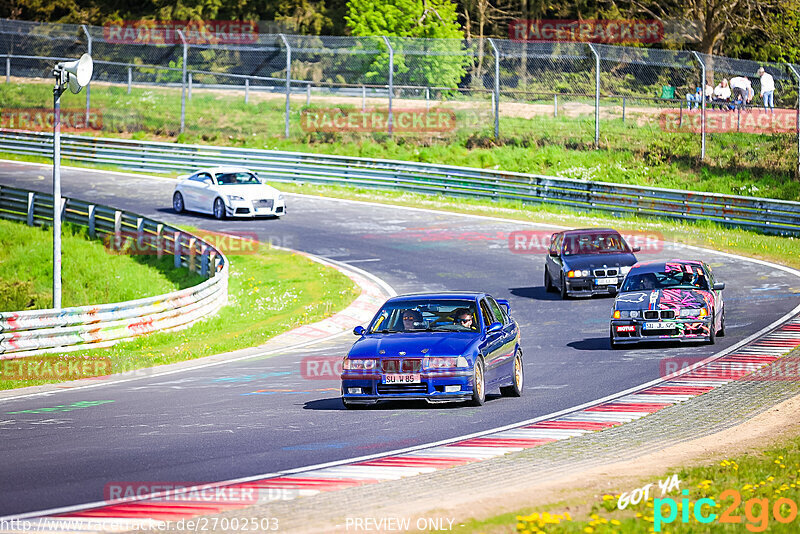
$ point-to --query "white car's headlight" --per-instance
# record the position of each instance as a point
(235, 197)
(625, 270)
(280, 197)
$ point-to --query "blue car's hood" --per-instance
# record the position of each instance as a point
(599, 261)
(413, 344)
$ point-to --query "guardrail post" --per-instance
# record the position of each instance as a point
(288, 84)
(159, 241)
(797, 118)
(117, 230)
(92, 212)
(363, 98)
(139, 233)
(192, 253)
(496, 93)
(308, 94)
(391, 80)
(130, 78)
(427, 99)
(623, 109)
(176, 251)
(31, 200)
(183, 80)
(8, 69)
(555, 106)
(89, 85)
(246, 90)
(189, 92)
(596, 95)
(703, 107)
(204, 260)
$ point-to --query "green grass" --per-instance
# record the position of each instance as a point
(90, 273)
(767, 476)
(268, 293)
(636, 152)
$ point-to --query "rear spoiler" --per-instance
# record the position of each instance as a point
(504, 302)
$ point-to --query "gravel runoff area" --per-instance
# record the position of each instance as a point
(456, 493)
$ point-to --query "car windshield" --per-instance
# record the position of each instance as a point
(426, 315)
(684, 277)
(594, 243)
(236, 178)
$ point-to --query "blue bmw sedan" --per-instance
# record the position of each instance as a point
(438, 347)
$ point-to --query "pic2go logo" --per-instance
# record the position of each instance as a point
(756, 511)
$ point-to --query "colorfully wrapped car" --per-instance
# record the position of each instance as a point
(437, 347)
(675, 300)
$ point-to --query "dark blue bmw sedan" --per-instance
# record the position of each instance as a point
(438, 347)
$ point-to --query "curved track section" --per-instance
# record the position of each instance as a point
(262, 416)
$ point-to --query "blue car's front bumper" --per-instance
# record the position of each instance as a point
(431, 387)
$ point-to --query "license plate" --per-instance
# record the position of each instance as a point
(605, 281)
(659, 326)
(402, 378)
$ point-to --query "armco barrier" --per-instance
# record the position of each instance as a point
(32, 332)
(766, 215)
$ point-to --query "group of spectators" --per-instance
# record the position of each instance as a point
(738, 93)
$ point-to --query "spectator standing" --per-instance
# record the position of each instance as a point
(740, 90)
(767, 89)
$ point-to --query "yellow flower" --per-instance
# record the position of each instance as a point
(588, 530)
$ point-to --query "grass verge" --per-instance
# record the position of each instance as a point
(90, 273)
(269, 293)
(637, 151)
(752, 492)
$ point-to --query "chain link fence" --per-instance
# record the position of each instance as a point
(324, 87)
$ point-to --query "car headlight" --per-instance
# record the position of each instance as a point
(693, 312)
(625, 270)
(634, 314)
(359, 364)
(280, 197)
(576, 273)
(444, 363)
(625, 314)
(235, 197)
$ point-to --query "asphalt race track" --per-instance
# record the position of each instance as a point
(261, 416)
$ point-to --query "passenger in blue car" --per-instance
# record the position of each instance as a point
(412, 320)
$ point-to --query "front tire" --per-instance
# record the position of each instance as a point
(564, 294)
(515, 389)
(177, 202)
(478, 384)
(219, 209)
(614, 345)
(548, 283)
(721, 332)
(712, 330)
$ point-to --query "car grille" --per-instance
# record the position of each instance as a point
(401, 366)
(606, 272)
(659, 314)
(263, 203)
(390, 389)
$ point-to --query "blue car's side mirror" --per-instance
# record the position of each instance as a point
(359, 330)
(494, 327)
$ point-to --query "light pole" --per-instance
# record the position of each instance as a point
(75, 74)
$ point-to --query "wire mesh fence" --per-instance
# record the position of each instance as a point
(322, 87)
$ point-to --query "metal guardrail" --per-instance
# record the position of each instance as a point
(766, 215)
(26, 333)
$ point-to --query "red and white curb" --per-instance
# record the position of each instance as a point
(736, 363)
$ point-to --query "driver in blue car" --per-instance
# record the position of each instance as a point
(464, 319)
